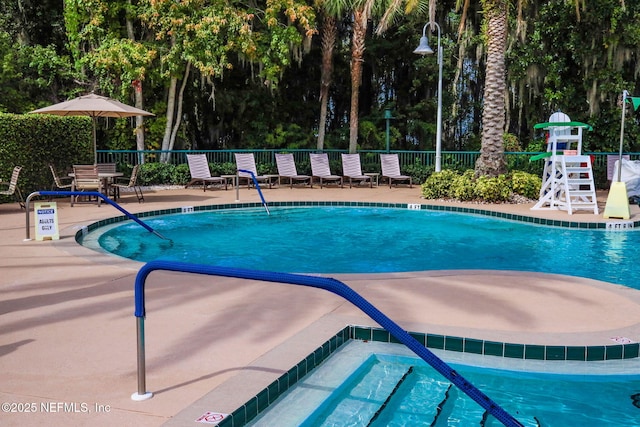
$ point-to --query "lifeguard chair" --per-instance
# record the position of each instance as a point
(567, 179)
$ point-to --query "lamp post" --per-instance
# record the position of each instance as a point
(387, 117)
(424, 49)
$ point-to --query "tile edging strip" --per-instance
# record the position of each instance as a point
(267, 396)
(457, 209)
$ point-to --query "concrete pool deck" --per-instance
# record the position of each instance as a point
(68, 338)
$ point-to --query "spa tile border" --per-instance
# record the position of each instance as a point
(252, 408)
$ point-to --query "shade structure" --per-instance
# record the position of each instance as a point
(94, 106)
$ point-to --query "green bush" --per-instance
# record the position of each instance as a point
(464, 186)
(526, 184)
(493, 189)
(439, 184)
(156, 173)
(418, 172)
(181, 174)
(219, 169)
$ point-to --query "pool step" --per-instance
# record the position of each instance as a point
(360, 396)
(380, 393)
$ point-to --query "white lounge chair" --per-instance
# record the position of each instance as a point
(352, 170)
(391, 169)
(320, 169)
(287, 170)
(199, 169)
(247, 162)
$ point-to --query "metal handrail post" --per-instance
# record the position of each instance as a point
(142, 393)
(338, 288)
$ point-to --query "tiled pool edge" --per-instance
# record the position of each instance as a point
(455, 209)
(254, 406)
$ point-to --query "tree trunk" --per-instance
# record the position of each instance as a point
(329, 35)
(171, 107)
(176, 126)
(491, 161)
(357, 53)
(139, 100)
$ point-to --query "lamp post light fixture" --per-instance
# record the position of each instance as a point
(424, 49)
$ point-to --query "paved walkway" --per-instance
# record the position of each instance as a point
(67, 329)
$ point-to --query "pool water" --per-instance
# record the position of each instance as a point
(376, 240)
(379, 385)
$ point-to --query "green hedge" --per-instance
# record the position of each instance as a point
(33, 141)
(450, 184)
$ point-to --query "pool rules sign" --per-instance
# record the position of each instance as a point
(46, 221)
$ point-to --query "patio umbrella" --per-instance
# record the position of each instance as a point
(94, 106)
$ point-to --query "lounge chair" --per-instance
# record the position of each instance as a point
(320, 169)
(12, 187)
(85, 178)
(130, 182)
(352, 171)
(199, 169)
(287, 170)
(391, 170)
(246, 161)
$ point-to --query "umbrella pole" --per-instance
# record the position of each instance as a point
(95, 145)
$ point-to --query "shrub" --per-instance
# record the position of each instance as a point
(439, 184)
(493, 189)
(156, 173)
(464, 186)
(219, 169)
(526, 184)
(417, 171)
(181, 174)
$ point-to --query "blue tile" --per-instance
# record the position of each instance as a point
(435, 341)
(515, 351)
(595, 353)
(534, 352)
(577, 353)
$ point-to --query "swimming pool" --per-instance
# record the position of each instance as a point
(379, 384)
(374, 240)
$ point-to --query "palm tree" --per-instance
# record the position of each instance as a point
(361, 14)
(329, 36)
(491, 161)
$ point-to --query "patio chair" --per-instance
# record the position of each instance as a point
(85, 178)
(352, 171)
(130, 182)
(320, 169)
(104, 169)
(287, 170)
(60, 182)
(391, 170)
(12, 187)
(247, 161)
(199, 169)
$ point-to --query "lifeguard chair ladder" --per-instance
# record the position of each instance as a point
(568, 182)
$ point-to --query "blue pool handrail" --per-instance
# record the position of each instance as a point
(255, 182)
(91, 194)
(326, 283)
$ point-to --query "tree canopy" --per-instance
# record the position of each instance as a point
(224, 74)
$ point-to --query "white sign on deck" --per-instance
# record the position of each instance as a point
(46, 215)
